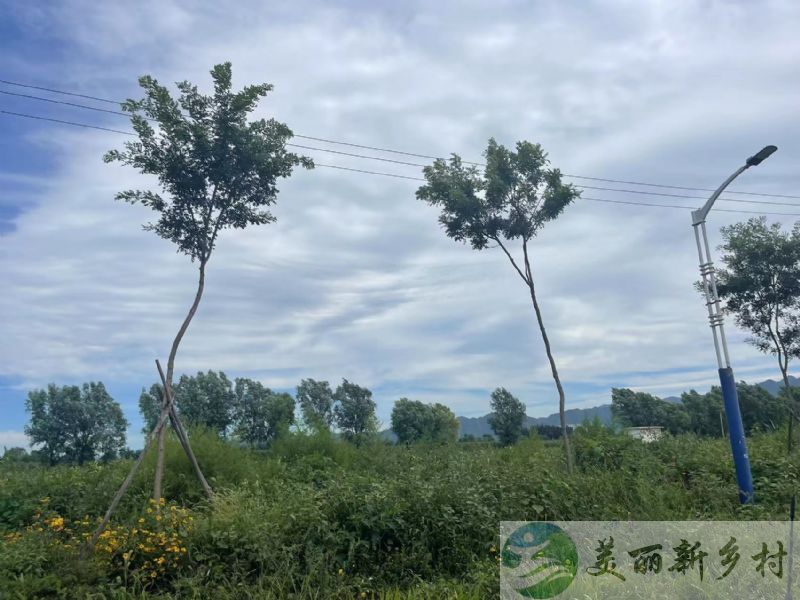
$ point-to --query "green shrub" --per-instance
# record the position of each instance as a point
(316, 517)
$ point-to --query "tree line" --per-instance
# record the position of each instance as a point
(702, 414)
(76, 424)
(72, 424)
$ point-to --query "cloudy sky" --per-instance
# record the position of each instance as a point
(356, 279)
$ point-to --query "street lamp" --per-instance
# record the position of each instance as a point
(741, 459)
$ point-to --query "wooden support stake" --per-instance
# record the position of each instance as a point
(182, 437)
(167, 412)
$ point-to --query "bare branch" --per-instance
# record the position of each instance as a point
(513, 262)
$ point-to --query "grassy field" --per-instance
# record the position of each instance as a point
(315, 517)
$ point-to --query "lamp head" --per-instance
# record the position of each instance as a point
(761, 156)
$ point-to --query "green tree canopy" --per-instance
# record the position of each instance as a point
(761, 411)
(150, 406)
(204, 400)
(75, 424)
(760, 286)
(354, 411)
(316, 403)
(217, 169)
(639, 409)
(445, 424)
(702, 414)
(508, 416)
(261, 415)
(414, 421)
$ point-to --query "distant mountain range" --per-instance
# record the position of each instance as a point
(479, 426)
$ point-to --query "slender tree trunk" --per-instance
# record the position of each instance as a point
(790, 400)
(561, 398)
(157, 493)
(170, 370)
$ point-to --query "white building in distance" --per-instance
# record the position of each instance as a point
(646, 434)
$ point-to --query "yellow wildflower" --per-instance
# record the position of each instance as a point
(341, 572)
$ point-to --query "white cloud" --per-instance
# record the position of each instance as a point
(355, 279)
(14, 439)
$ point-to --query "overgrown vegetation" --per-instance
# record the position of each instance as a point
(318, 517)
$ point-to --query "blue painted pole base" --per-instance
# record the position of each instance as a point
(741, 459)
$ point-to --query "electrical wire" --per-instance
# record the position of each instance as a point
(63, 122)
(398, 176)
(374, 148)
(630, 203)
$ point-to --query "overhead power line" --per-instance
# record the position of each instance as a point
(73, 123)
(65, 103)
(367, 147)
(630, 203)
(54, 91)
(339, 167)
(398, 176)
(400, 162)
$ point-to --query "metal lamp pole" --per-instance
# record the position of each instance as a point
(735, 428)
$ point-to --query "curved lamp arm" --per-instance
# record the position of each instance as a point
(699, 215)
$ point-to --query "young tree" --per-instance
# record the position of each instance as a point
(217, 170)
(516, 196)
(261, 414)
(72, 424)
(316, 403)
(760, 285)
(508, 416)
(354, 411)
